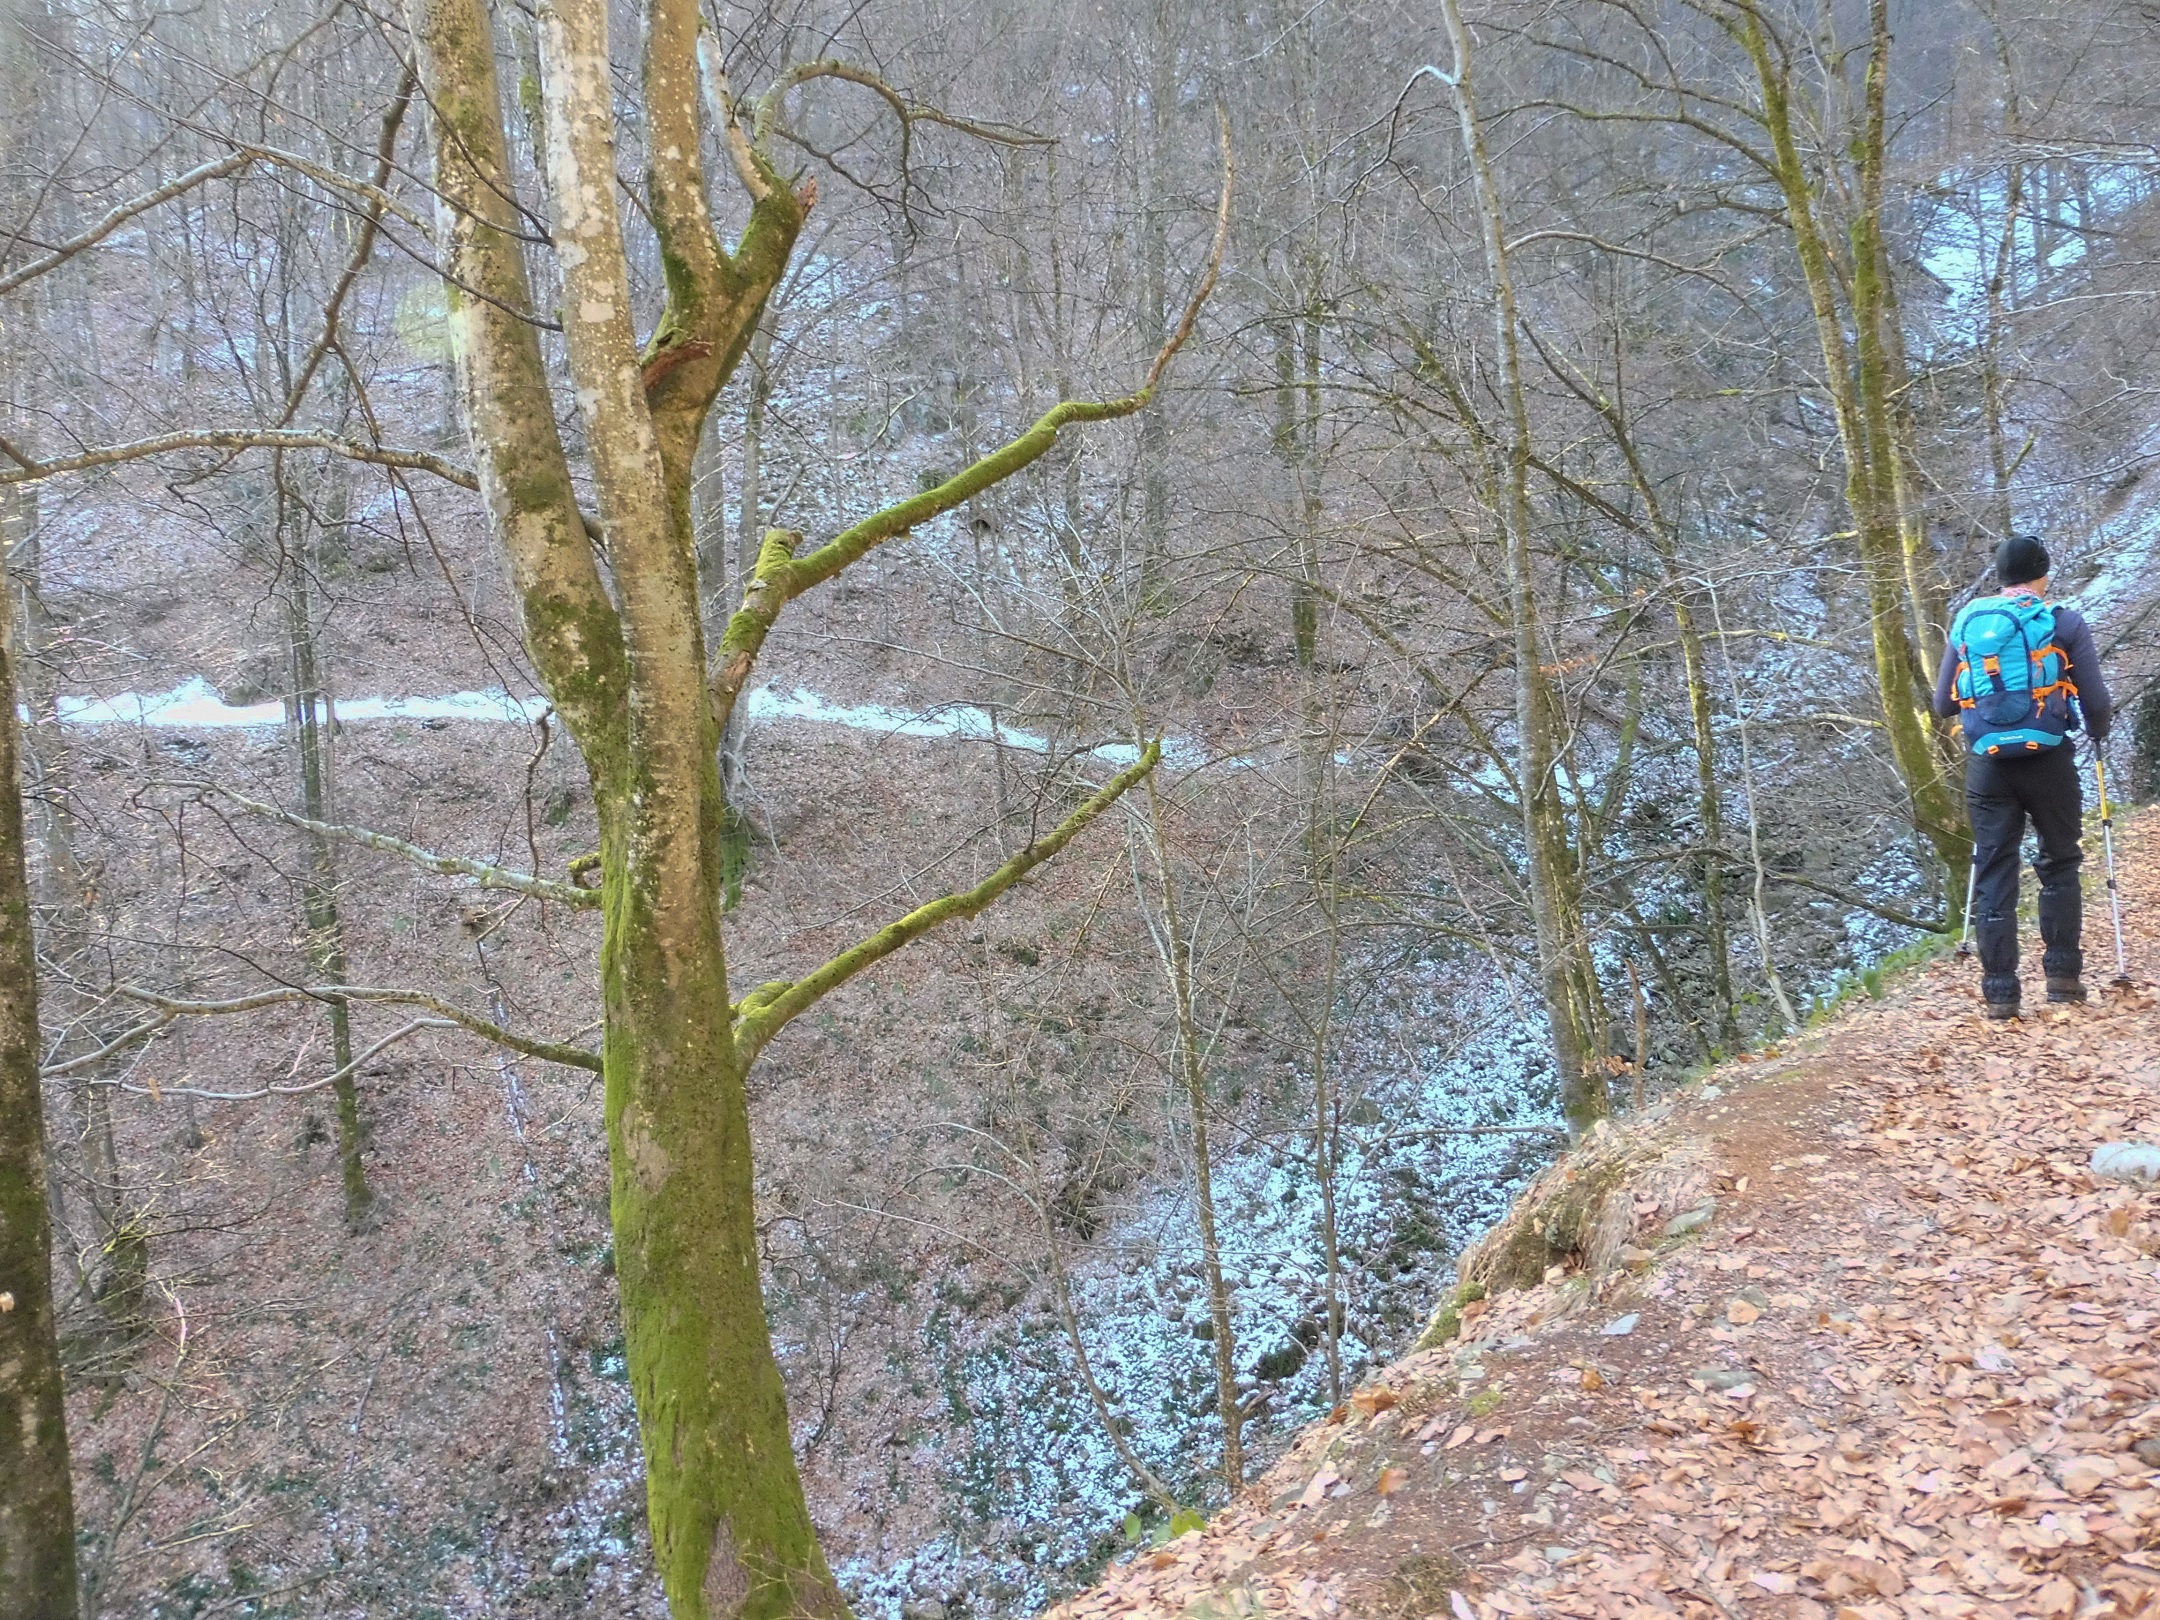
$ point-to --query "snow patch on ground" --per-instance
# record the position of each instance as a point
(1036, 1490)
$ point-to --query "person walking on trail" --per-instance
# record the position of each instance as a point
(2019, 676)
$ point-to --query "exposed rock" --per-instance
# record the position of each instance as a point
(2126, 1161)
(1585, 1209)
(1693, 1220)
(1723, 1377)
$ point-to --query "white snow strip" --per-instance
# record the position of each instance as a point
(195, 705)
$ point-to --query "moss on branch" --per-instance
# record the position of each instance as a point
(764, 1011)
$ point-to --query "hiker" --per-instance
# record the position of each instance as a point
(2016, 676)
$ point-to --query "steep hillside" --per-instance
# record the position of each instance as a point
(1856, 1330)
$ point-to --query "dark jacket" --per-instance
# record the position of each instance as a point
(2081, 658)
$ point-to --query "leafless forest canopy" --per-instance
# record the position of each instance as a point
(1532, 564)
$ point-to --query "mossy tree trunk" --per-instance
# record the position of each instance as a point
(115, 1265)
(1853, 305)
(624, 660)
(37, 1511)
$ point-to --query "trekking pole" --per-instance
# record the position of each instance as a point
(2107, 842)
(1972, 878)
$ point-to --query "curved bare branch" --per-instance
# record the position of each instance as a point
(487, 875)
(908, 112)
(575, 1057)
(28, 470)
(232, 163)
(156, 1092)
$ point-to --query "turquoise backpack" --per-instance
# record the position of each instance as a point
(2012, 686)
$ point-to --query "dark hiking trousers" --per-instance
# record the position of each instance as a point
(2002, 795)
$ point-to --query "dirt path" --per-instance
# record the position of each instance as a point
(1907, 1366)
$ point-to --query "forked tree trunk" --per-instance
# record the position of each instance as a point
(1859, 373)
(37, 1509)
(625, 663)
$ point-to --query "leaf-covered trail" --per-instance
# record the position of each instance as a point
(1907, 1366)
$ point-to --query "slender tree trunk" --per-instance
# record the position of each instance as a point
(122, 1266)
(1316, 761)
(1562, 956)
(2001, 298)
(1303, 609)
(1327, 1131)
(1154, 303)
(1642, 1034)
(118, 1273)
(1994, 386)
(1176, 949)
(1710, 814)
(37, 1507)
(1116, 1426)
(1758, 912)
(307, 711)
(1297, 438)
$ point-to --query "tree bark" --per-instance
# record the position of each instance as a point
(37, 1508)
(1154, 303)
(114, 1266)
(749, 534)
(625, 664)
(1710, 813)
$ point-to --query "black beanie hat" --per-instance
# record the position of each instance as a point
(2020, 560)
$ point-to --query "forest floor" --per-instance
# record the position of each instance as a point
(1871, 1341)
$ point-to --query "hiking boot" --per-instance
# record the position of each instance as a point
(2002, 1009)
(2062, 989)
